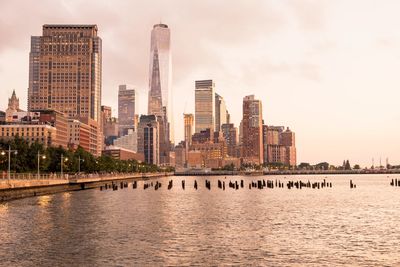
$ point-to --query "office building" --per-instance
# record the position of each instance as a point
(148, 139)
(204, 105)
(220, 112)
(126, 109)
(65, 66)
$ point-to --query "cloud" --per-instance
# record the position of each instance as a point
(309, 14)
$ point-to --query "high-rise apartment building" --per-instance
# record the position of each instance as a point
(65, 74)
(230, 133)
(220, 112)
(288, 141)
(271, 139)
(204, 105)
(280, 146)
(126, 109)
(160, 95)
(252, 143)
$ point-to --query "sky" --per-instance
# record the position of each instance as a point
(329, 70)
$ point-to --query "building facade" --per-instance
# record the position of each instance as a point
(252, 143)
(280, 146)
(110, 125)
(57, 120)
(220, 112)
(41, 133)
(148, 139)
(79, 135)
(128, 141)
(188, 123)
(126, 109)
(204, 105)
(230, 133)
(122, 154)
(65, 65)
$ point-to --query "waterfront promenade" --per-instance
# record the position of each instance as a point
(26, 185)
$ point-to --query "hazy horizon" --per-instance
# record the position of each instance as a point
(327, 69)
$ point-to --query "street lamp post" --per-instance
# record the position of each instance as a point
(62, 164)
(9, 160)
(79, 164)
(38, 163)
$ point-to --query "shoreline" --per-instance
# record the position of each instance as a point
(294, 172)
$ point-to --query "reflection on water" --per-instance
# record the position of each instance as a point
(3, 208)
(44, 201)
(331, 226)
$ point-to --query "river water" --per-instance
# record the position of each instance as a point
(268, 227)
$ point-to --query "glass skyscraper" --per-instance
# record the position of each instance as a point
(204, 105)
(160, 97)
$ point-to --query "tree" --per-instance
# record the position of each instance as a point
(356, 167)
(322, 166)
(304, 166)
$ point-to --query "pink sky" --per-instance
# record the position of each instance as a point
(328, 69)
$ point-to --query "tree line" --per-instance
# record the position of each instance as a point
(25, 160)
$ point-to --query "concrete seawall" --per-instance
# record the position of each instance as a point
(13, 189)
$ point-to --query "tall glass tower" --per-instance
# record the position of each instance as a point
(160, 97)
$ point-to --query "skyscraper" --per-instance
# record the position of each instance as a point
(204, 105)
(231, 136)
(252, 143)
(126, 109)
(220, 112)
(188, 120)
(188, 128)
(160, 97)
(65, 74)
(288, 141)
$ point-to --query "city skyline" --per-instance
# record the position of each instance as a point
(323, 87)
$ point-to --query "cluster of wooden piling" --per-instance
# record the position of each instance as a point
(208, 184)
(352, 185)
(308, 184)
(114, 186)
(236, 185)
(395, 182)
(170, 184)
